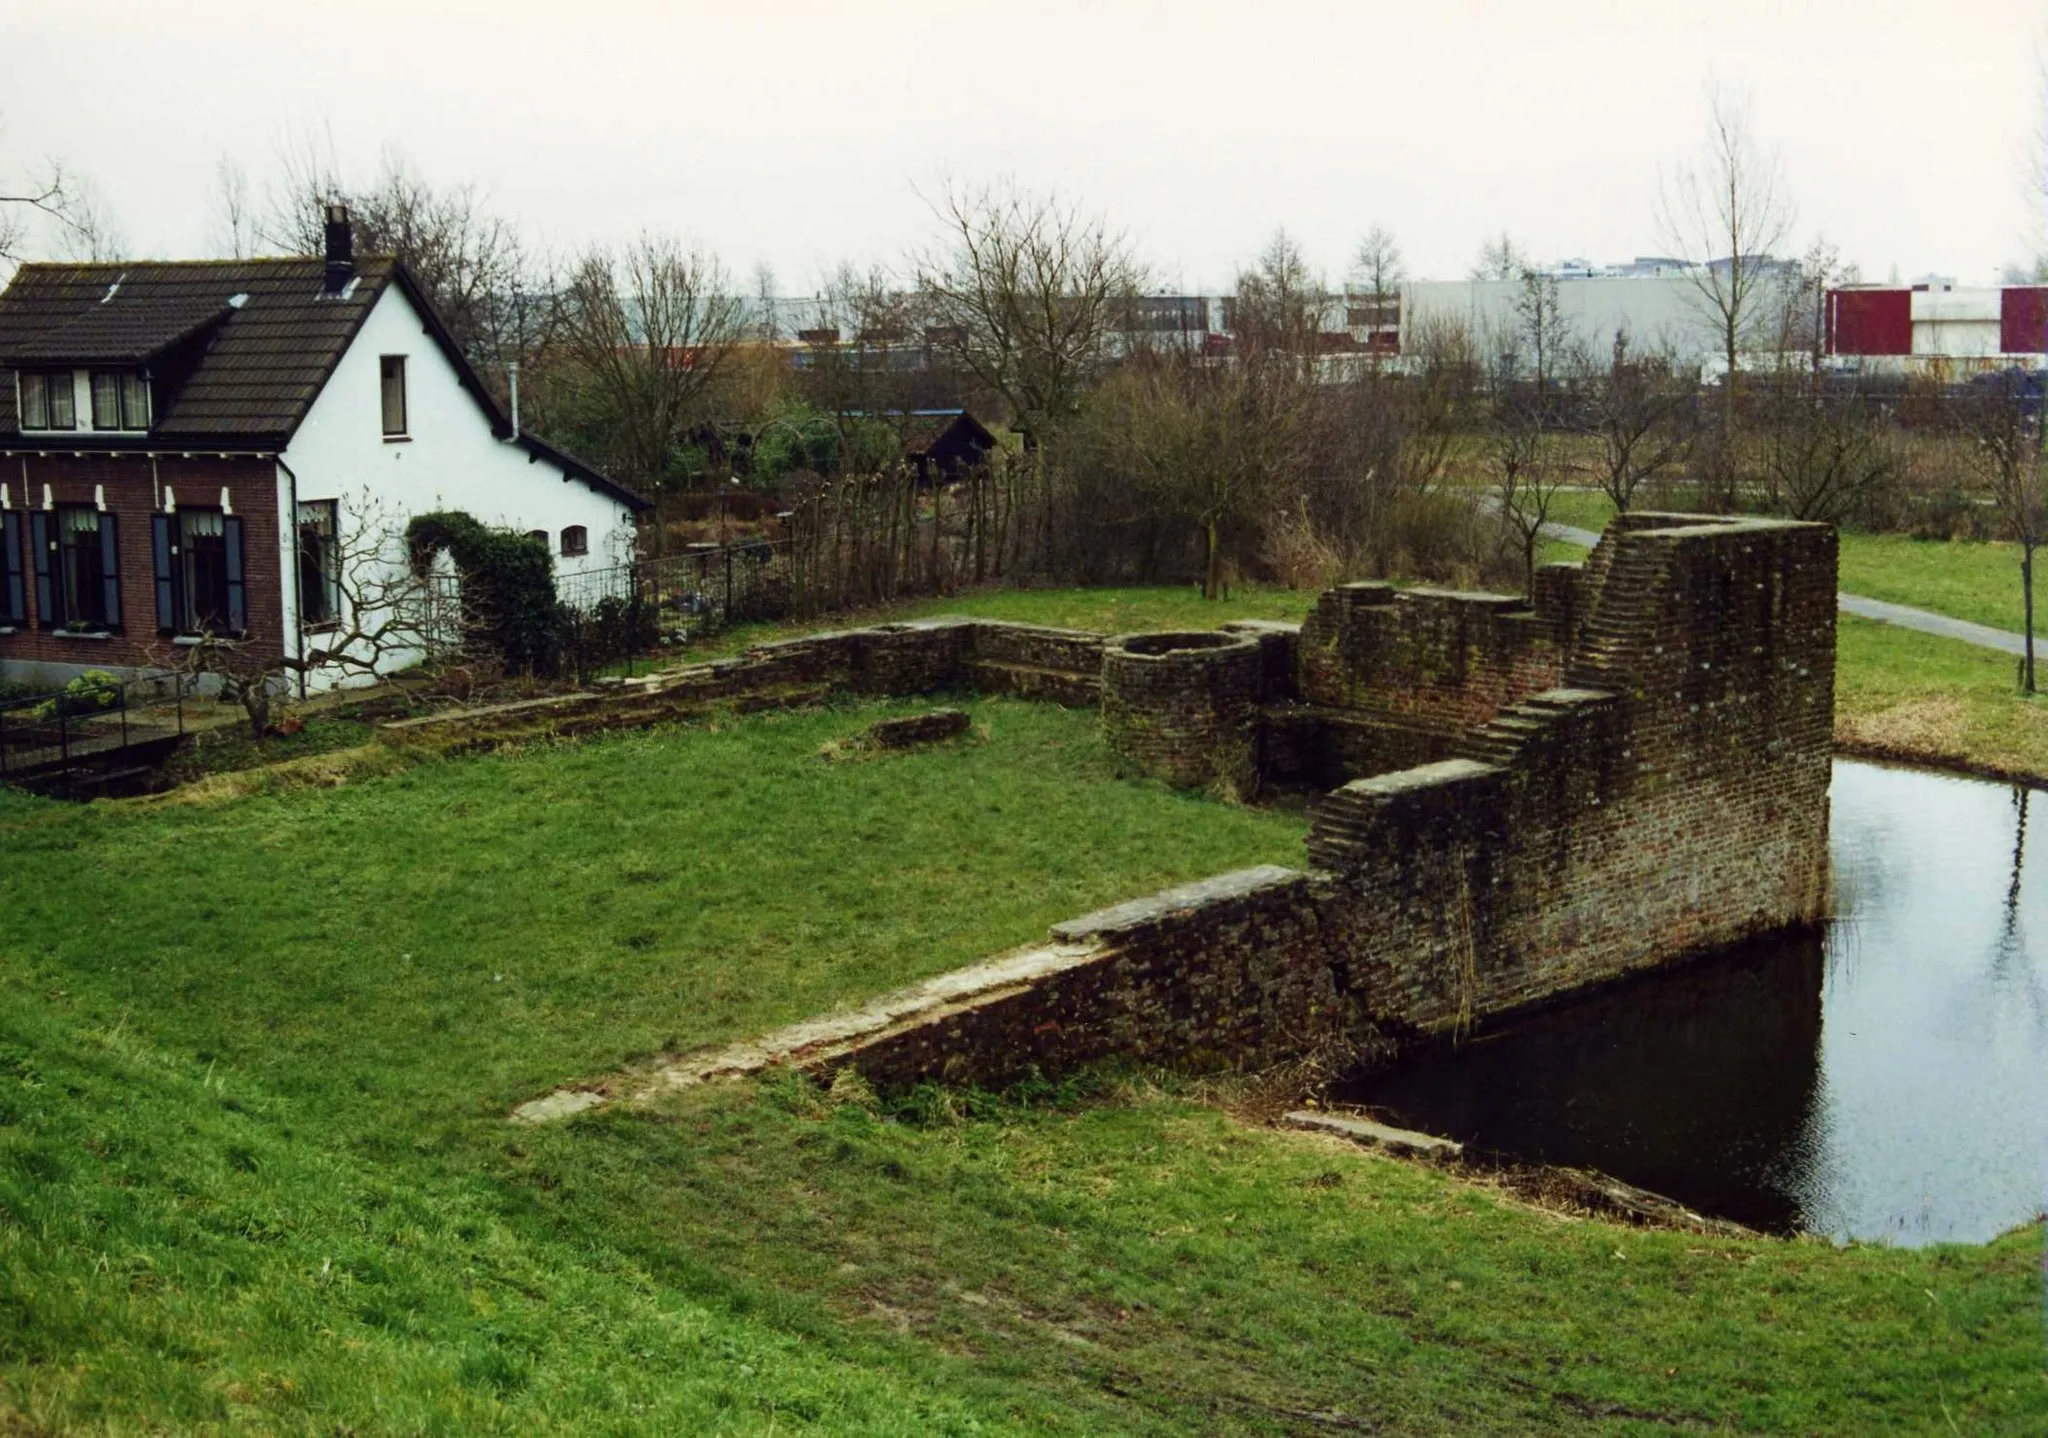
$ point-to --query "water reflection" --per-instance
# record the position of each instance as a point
(1885, 1080)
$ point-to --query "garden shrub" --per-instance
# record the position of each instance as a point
(508, 586)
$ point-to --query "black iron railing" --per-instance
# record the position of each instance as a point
(88, 717)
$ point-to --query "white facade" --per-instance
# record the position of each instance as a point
(448, 460)
(1659, 312)
(1958, 323)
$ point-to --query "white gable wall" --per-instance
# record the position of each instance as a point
(449, 461)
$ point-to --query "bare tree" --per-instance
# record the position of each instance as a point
(90, 231)
(1024, 292)
(1724, 214)
(1205, 443)
(1527, 474)
(1641, 408)
(48, 195)
(496, 297)
(385, 612)
(2035, 186)
(230, 211)
(1500, 258)
(2004, 422)
(1822, 452)
(855, 375)
(1376, 268)
(1544, 336)
(1437, 393)
(1278, 308)
(767, 324)
(1802, 295)
(649, 328)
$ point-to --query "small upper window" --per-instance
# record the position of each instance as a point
(575, 540)
(120, 399)
(106, 399)
(134, 400)
(46, 400)
(391, 373)
(540, 534)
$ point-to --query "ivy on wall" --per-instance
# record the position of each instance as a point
(508, 585)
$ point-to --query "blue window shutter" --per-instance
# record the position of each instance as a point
(166, 590)
(238, 592)
(110, 570)
(13, 601)
(39, 541)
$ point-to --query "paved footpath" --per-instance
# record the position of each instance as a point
(1906, 617)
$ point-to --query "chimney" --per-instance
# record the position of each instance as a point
(341, 251)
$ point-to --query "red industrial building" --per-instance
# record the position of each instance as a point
(1919, 326)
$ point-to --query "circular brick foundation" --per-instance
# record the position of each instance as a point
(1184, 707)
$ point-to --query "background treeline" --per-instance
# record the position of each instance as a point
(1135, 452)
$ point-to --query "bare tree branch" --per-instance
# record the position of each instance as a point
(1023, 293)
(1725, 214)
(650, 327)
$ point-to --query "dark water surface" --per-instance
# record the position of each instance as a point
(1886, 1080)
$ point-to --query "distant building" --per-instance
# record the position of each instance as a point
(1936, 325)
(1657, 303)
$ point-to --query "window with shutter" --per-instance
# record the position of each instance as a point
(13, 581)
(81, 580)
(42, 546)
(200, 561)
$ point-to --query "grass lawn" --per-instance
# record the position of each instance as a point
(1914, 695)
(254, 1174)
(1960, 578)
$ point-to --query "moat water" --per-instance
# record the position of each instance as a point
(1885, 1079)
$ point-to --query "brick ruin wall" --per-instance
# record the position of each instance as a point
(1532, 799)
(1668, 798)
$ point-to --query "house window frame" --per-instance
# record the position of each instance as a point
(62, 570)
(575, 541)
(130, 401)
(390, 385)
(53, 383)
(183, 536)
(310, 515)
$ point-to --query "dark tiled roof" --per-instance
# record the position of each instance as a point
(264, 357)
(127, 329)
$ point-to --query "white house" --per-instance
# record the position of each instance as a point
(187, 448)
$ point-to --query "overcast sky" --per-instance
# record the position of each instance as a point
(802, 134)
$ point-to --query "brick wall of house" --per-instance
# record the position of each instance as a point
(132, 486)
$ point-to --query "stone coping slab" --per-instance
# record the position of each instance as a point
(1145, 912)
